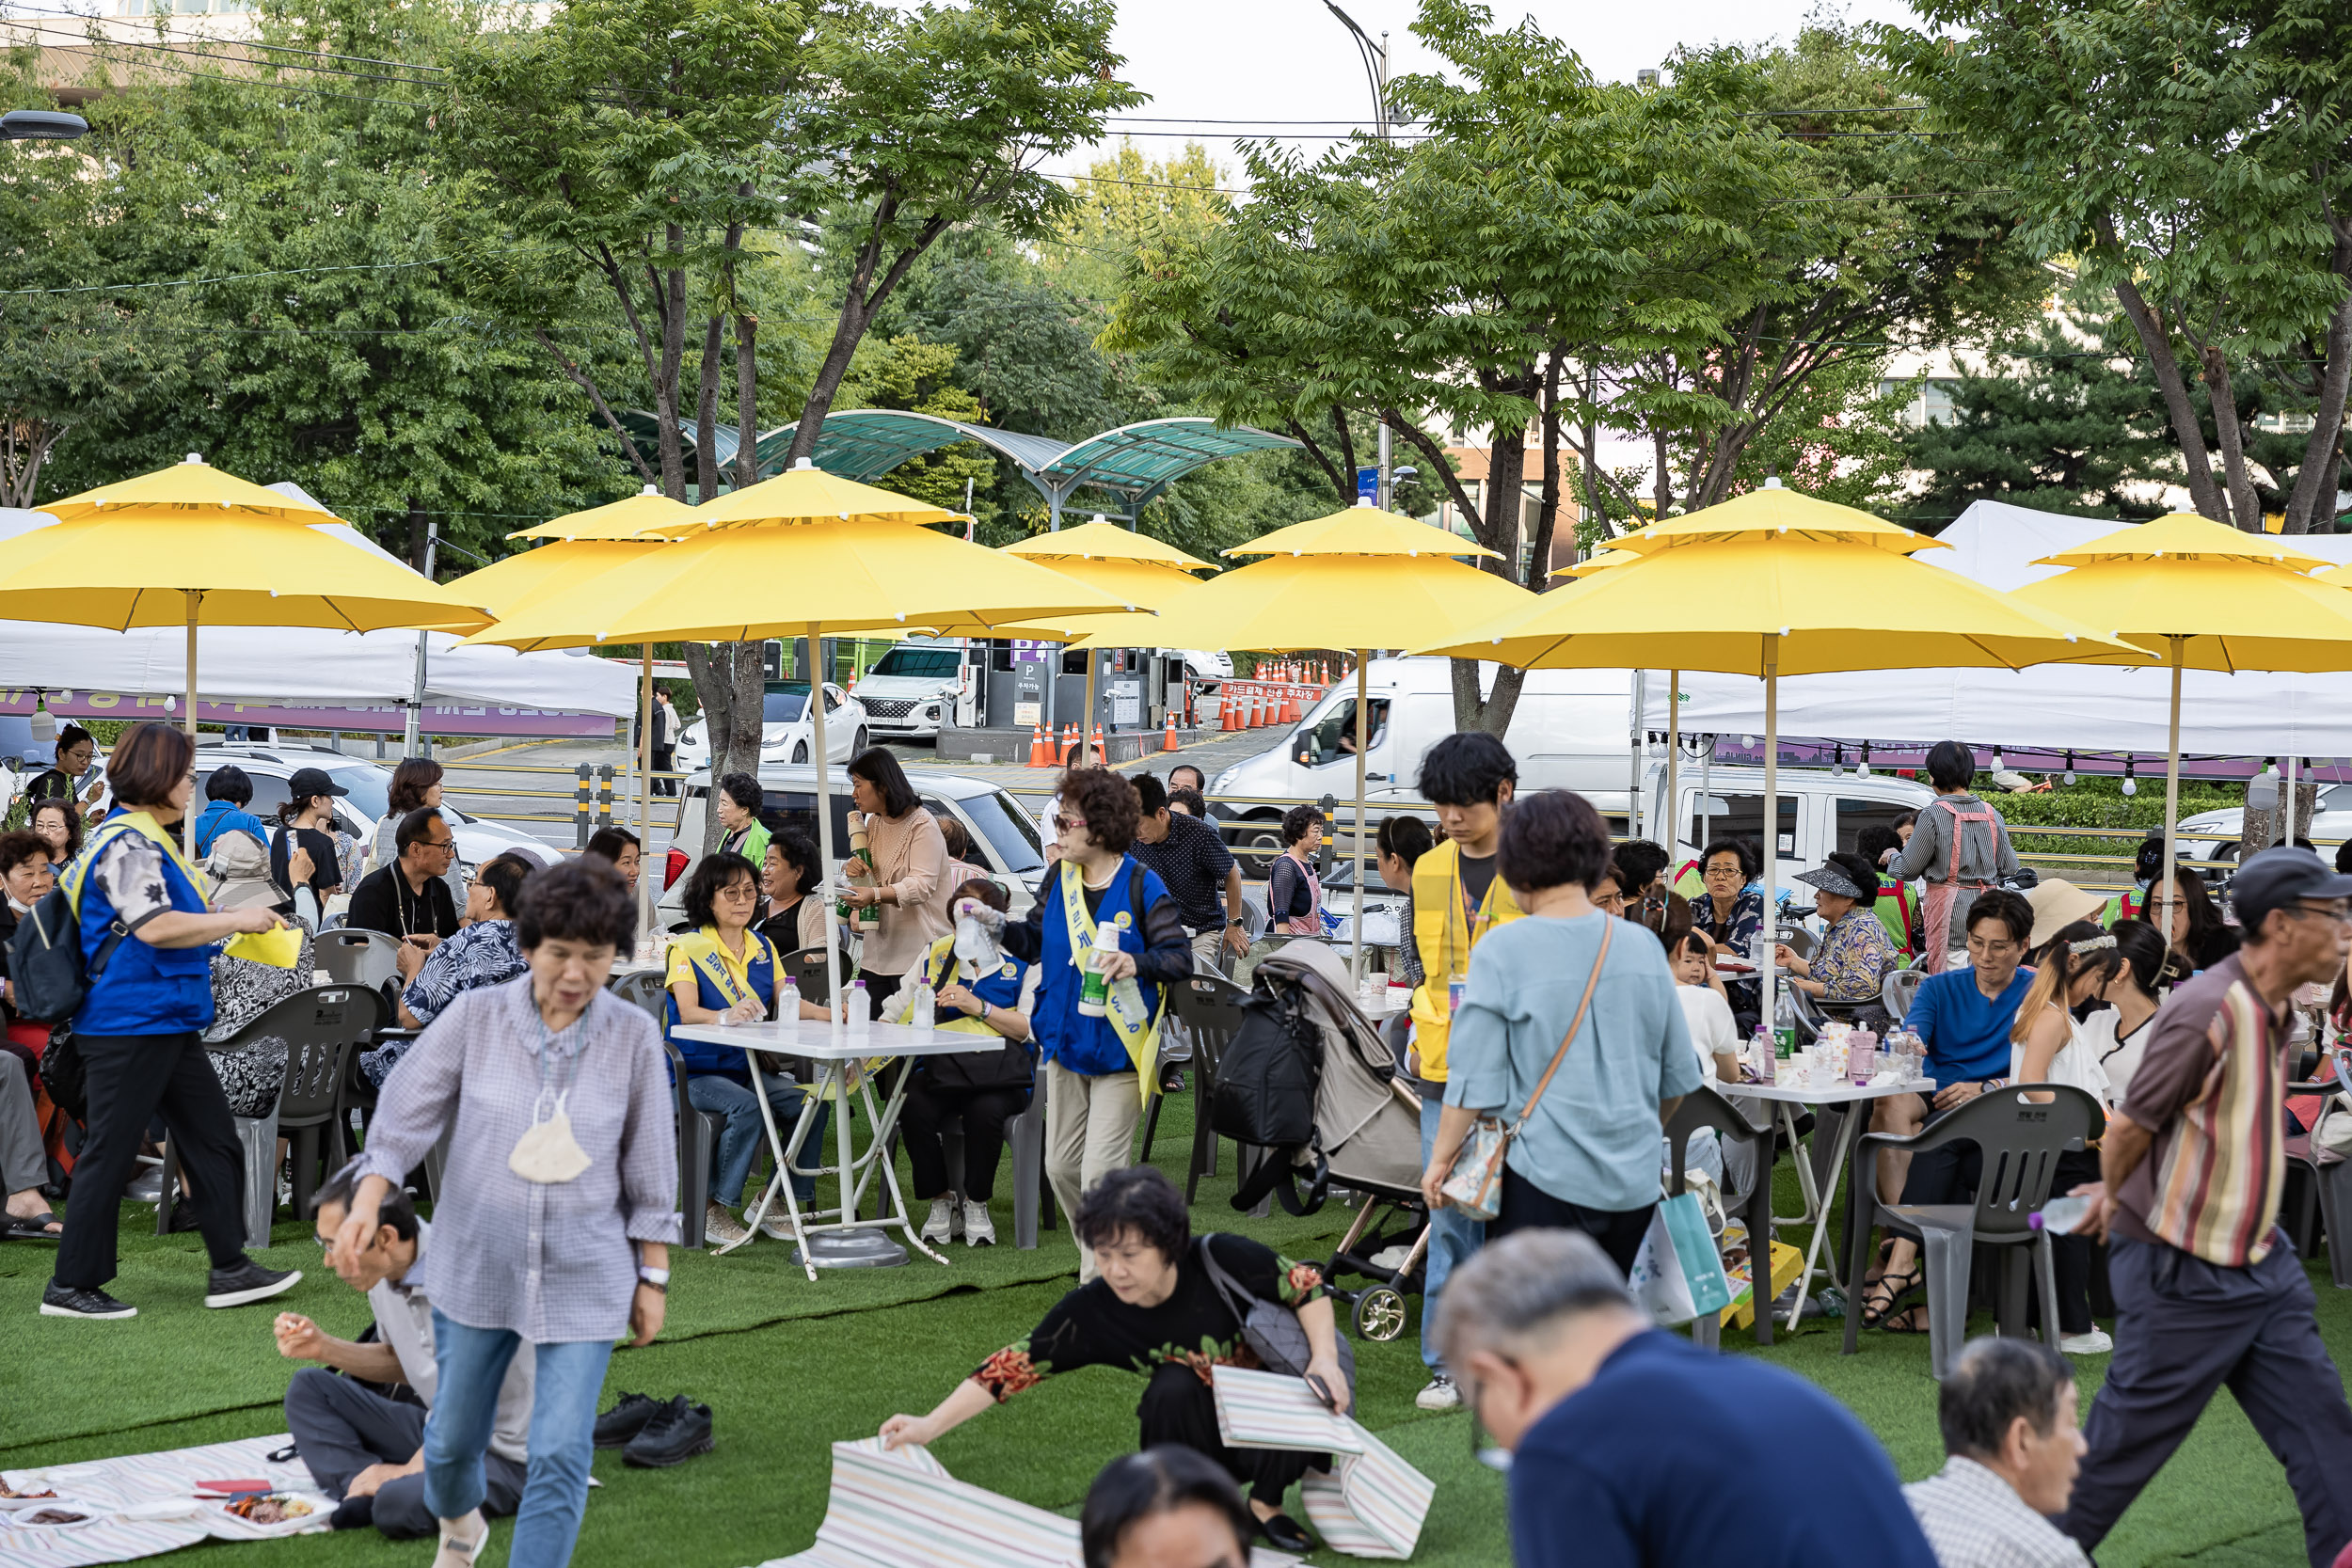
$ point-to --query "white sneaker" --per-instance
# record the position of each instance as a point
(940, 1226)
(720, 1227)
(2094, 1343)
(978, 1231)
(777, 1225)
(1440, 1395)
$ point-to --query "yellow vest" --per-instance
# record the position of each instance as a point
(1444, 932)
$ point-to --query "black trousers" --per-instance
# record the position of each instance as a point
(664, 758)
(984, 1112)
(2184, 1330)
(130, 1078)
(1179, 1408)
(341, 1428)
(1527, 1207)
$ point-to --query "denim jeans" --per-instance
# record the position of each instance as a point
(1452, 1239)
(742, 1138)
(570, 1379)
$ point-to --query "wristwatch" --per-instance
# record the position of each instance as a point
(658, 1278)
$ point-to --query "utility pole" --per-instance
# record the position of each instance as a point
(1375, 57)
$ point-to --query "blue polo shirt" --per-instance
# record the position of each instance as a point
(1675, 1455)
(1967, 1036)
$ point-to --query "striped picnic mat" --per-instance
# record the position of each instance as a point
(1371, 1503)
(889, 1509)
(144, 1503)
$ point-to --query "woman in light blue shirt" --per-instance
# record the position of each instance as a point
(1588, 1158)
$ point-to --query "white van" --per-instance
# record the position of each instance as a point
(1820, 811)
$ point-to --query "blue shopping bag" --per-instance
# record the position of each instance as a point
(1678, 1274)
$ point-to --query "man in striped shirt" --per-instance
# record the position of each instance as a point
(2208, 1291)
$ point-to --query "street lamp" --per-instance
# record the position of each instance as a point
(41, 125)
(1375, 57)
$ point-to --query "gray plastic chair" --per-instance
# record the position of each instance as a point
(1898, 989)
(1704, 1107)
(2020, 1140)
(352, 957)
(644, 989)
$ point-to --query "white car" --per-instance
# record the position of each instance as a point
(370, 783)
(785, 731)
(2332, 819)
(910, 690)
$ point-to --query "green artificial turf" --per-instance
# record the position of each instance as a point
(789, 1367)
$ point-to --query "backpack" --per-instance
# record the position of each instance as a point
(1265, 1095)
(45, 956)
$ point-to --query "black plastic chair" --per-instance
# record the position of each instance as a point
(2020, 1139)
(1211, 1010)
(697, 1145)
(1704, 1107)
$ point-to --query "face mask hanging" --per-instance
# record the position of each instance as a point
(547, 1153)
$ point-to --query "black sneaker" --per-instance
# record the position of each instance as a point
(73, 1301)
(678, 1432)
(248, 1282)
(625, 1419)
(183, 1218)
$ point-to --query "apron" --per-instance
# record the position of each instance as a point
(1936, 910)
(1309, 923)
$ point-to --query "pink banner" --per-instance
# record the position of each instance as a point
(389, 718)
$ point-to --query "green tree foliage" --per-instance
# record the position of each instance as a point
(2049, 423)
(907, 372)
(2195, 158)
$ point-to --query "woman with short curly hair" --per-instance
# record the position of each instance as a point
(1293, 894)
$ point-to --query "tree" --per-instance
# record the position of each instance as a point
(2194, 157)
(2051, 423)
(908, 373)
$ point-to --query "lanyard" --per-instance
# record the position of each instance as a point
(1473, 917)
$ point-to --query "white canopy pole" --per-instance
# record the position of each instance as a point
(817, 673)
(645, 793)
(2173, 793)
(1772, 831)
(1674, 761)
(187, 819)
(1363, 704)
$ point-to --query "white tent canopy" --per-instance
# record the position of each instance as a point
(301, 666)
(2054, 705)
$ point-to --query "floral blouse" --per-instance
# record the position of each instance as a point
(1853, 959)
(1092, 1328)
(1737, 937)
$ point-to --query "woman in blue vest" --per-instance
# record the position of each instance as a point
(147, 947)
(724, 972)
(980, 991)
(1096, 1064)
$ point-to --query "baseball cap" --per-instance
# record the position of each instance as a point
(308, 782)
(2277, 878)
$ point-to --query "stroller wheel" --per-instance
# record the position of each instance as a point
(1379, 1314)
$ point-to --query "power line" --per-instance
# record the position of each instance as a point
(200, 37)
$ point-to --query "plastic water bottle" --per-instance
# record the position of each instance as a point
(923, 1011)
(2060, 1216)
(788, 1011)
(859, 1010)
(1785, 1025)
(1094, 988)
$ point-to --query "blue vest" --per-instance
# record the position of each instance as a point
(702, 1057)
(145, 991)
(1064, 1035)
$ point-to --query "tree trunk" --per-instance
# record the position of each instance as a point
(415, 537)
(2305, 507)
(1507, 510)
(1547, 509)
(669, 292)
(729, 682)
(707, 413)
(2203, 493)
(746, 400)
(2246, 512)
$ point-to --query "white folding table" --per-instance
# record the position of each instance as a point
(836, 1053)
(1781, 1101)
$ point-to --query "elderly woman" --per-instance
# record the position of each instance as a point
(486, 952)
(56, 824)
(788, 876)
(139, 1030)
(1093, 1096)
(1293, 894)
(908, 888)
(978, 991)
(1591, 993)
(738, 801)
(1167, 1305)
(1855, 952)
(1729, 912)
(724, 972)
(558, 1208)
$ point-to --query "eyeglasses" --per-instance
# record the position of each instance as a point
(740, 893)
(1493, 1457)
(437, 844)
(1069, 824)
(2340, 915)
(1714, 871)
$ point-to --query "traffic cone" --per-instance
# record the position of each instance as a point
(1041, 754)
(1168, 740)
(1069, 743)
(1101, 756)
(1228, 707)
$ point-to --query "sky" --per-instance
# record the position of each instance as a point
(1207, 60)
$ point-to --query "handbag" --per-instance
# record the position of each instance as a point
(1678, 1274)
(1270, 1329)
(62, 1076)
(1474, 1184)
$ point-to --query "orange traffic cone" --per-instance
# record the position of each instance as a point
(1101, 757)
(1168, 740)
(1229, 708)
(1069, 743)
(1041, 754)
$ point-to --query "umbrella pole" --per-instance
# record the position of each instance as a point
(2172, 793)
(1363, 704)
(644, 792)
(1087, 745)
(187, 819)
(1674, 757)
(824, 853)
(1772, 835)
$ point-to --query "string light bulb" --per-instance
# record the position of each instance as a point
(2131, 783)
(1863, 770)
(2000, 763)
(1838, 763)
(2070, 767)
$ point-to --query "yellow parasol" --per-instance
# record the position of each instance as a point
(189, 545)
(1770, 585)
(2211, 598)
(1355, 580)
(800, 555)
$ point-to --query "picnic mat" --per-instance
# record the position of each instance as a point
(140, 1504)
(1369, 1504)
(890, 1508)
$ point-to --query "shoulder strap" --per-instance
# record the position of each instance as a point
(1224, 1283)
(1584, 1005)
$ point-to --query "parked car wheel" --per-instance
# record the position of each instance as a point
(1258, 845)
(859, 741)
(800, 752)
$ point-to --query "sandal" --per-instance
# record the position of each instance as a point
(32, 1227)
(1889, 1293)
(1907, 1324)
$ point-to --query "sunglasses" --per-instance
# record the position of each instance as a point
(1067, 824)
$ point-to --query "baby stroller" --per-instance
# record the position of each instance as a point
(1367, 1124)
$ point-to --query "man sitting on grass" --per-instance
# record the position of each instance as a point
(364, 1448)
(2008, 1415)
